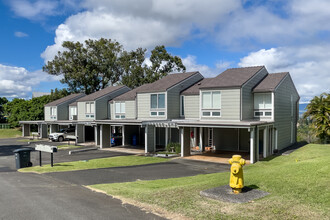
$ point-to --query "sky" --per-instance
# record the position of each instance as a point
(210, 36)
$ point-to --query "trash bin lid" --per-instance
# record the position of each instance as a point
(22, 150)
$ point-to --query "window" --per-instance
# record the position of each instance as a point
(182, 105)
(157, 104)
(53, 112)
(90, 109)
(120, 110)
(262, 105)
(73, 110)
(211, 104)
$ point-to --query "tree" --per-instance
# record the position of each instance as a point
(96, 64)
(3, 101)
(136, 72)
(87, 67)
(318, 111)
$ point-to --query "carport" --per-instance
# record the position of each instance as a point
(86, 131)
(41, 128)
(123, 132)
(252, 139)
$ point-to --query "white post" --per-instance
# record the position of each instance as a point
(200, 139)
(123, 135)
(146, 139)
(182, 141)
(195, 137)
(252, 145)
(257, 143)
(265, 151)
(101, 135)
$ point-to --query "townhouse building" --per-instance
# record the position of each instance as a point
(242, 110)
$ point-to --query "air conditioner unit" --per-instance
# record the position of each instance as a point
(73, 117)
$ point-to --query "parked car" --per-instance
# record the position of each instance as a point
(62, 134)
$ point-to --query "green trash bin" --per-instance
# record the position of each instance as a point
(23, 157)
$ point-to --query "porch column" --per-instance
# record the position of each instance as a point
(123, 135)
(265, 151)
(97, 135)
(80, 133)
(185, 144)
(252, 160)
(25, 130)
(195, 137)
(166, 136)
(53, 128)
(276, 136)
(257, 143)
(42, 130)
(105, 136)
(150, 137)
(200, 139)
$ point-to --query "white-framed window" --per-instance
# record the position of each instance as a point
(157, 104)
(211, 104)
(263, 105)
(73, 110)
(53, 112)
(182, 105)
(90, 109)
(120, 110)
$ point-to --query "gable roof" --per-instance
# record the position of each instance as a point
(270, 82)
(100, 93)
(73, 104)
(234, 77)
(167, 82)
(159, 86)
(72, 97)
(194, 89)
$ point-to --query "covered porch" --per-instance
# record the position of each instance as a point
(251, 139)
(41, 128)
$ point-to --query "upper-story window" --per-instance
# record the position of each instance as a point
(90, 109)
(73, 113)
(120, 110)
(157, 104)
(53, 112)
(262, 105)
(211, 104)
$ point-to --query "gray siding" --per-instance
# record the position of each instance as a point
(130, 109)
(230, 105)
(191, 106)
(247, 95)
(143, 100)
(150, 142)
(81, 114)
(282, 114)
(101, 108)
(173, 96)
(47, 114)
(63, 112)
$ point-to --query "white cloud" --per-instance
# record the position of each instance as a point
(20, 34)
(191, 64)
(146, 24)
(34, 9)
(309, 66)
(18, 82)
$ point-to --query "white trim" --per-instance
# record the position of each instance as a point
(211, 110)
(273, 105)
(123, 135)
(146, 139)
(157, 110)
(252, 145)
(257, 143)
(201, 139)
(182, 141)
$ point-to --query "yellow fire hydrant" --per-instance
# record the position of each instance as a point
(236, 173)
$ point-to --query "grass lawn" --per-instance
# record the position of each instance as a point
(10, 133)
(298, 185)
(95, 164)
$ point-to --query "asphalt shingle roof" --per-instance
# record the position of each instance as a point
(100, 93)
(270, 82)
(158, 86)
(234, 77)
(194, 89)
(65, 99)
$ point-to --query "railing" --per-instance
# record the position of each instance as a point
(4, 126)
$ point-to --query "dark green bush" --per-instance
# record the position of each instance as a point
(175, 146)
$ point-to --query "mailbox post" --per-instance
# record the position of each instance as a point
(46, 148)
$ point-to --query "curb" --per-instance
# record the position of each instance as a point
(82, 150)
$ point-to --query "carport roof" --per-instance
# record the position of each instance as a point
(32, 122)
(237, 124)
(119, 122)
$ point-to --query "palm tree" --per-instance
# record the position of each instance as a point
(318, 111)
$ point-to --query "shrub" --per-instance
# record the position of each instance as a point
(175, 146)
